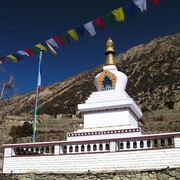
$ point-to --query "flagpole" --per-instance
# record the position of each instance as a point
(37, 93)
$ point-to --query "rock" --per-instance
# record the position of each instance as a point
(163, 176)
(116, 178)
(152, 175)
(172, 178)
(138, 176)
(172, 173)
(146, 177)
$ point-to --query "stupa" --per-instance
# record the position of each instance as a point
(110, 111)
(110, 140)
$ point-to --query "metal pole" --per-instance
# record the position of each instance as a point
(36, 100)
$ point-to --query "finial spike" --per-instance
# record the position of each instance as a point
(109, 52)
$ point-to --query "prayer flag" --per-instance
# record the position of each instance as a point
(17, 56)
(3, 59)
(28, 51)
(59, 40)
(110, 18)
(98, 21)
(35, 50)
(40, 46)
(52, 42)
(129, 8)
(141, 4)
(23, 53)
(156, 2)
(90, 28)
(119, 14)
(80, 30)
(12, 58)
(73, 34)
(66, 37)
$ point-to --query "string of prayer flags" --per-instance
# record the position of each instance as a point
(73, 34)
(141, 4)
(111, 17)
(90, 28)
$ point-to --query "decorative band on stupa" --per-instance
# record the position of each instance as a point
(105, 110)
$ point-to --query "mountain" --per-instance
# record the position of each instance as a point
(152, 69)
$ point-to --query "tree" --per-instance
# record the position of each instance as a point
(6, 87)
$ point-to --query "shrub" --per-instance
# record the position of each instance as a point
(21, 131)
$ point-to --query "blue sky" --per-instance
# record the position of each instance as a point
(26, 23)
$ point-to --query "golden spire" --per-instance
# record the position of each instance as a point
(109, 53)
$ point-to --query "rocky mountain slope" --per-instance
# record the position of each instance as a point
(152, 69)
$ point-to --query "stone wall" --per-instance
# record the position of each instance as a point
(163, 174)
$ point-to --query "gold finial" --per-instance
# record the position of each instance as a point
(109, 53)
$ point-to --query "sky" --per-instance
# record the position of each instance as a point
(26, 23)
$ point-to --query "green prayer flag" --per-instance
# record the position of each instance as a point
(35, 50)
(65, 36)
(110, 18)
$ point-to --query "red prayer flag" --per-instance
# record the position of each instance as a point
(156, 2)
(98, 21)
(59, 40)
(2, 59)
(29, 52)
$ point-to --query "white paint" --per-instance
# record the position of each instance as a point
(117, 118)
(177, 141)
(7, 152)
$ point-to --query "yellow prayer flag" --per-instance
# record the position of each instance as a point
(40, 46)
(119, 14)
(14, 59)
(73, 34)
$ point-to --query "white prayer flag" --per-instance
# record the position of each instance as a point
(90, 28)
(141, 4)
